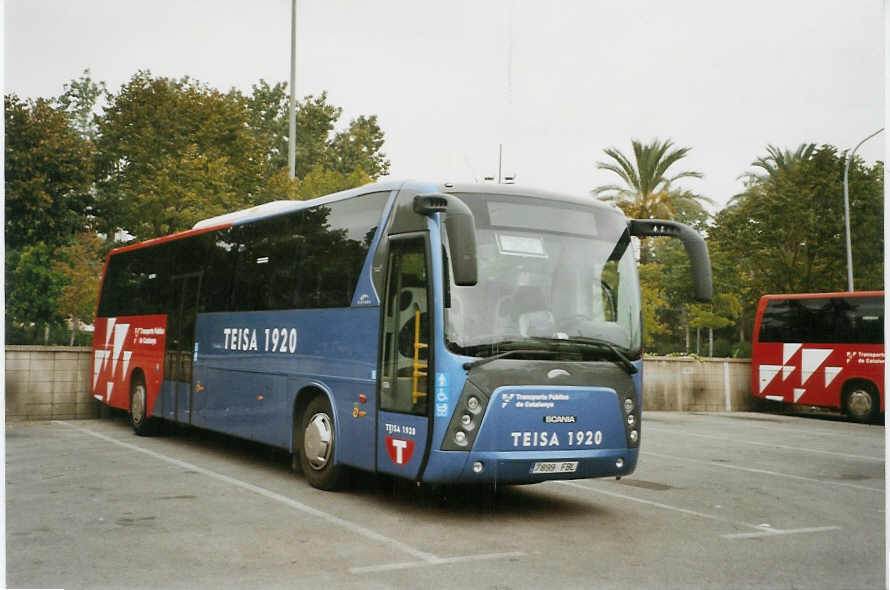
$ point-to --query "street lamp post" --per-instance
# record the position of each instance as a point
(847, 209)
(292, 113)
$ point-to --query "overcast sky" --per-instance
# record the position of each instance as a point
(554, 82)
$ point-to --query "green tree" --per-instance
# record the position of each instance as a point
(326, 161)
(48, 175)
(647, 190)
(32, 288)
(358, 146)
(654, 300)
(172, 152)
(777, 161)
(322, 181)
(80, 101)
(722, 312)
(785, 233)
(80, 266)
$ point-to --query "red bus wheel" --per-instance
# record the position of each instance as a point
(141, 424)
(861, 402)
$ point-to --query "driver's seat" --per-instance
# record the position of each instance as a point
(531, 313)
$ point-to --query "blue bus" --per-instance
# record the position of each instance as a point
(442, 333)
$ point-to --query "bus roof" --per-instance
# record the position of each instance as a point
(278, 207)
(527, 191)
(274, 208)
(167, 238)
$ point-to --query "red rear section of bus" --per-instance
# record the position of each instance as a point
(121, 344)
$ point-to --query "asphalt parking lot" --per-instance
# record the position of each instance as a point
(718, 500)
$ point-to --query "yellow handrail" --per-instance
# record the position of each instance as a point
(418, 364)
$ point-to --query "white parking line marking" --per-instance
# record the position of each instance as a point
(658, 505)
(351, 526)
(762, 471)
(427, 558)
(761, 530)
(802, 426)
(389, 567)
(440, 561)
(779, 532)
(769, 445)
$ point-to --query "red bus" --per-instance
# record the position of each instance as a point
(821, 349)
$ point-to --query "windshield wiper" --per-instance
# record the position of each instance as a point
(483, 361)
(620, 358)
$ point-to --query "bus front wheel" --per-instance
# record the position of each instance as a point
(317, 449)
(861, 402)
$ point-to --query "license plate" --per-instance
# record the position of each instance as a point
(555, 467)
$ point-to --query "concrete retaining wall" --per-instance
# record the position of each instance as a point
(48, 383)
(52, 383)
(697, 385)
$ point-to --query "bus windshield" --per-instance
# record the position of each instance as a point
(549, 271)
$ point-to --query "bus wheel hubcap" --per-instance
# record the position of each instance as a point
(317, 441)
(138, 404)
(860, 402)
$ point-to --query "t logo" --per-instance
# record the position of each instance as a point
(400, 450)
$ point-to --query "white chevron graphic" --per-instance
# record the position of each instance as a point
(97, 365)
(788, 351)
(831, 373)
(798, 392)
(767, 374)
(127, 355)
(811, 360)
(786, 372)
(120, 335)
(108, 387)
(109, 327)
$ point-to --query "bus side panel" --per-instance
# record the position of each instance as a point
(814, 374)
(251, 366)
(123, 346)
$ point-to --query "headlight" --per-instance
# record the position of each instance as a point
(466, 420)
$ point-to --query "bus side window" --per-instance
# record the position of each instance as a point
(404, 373)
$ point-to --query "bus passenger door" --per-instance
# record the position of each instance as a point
(179, 360)
(403, 418)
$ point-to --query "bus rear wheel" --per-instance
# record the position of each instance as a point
(861, 402)
(142, 425)
(319, 440)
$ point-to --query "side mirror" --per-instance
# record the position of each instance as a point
(692, 241)
(461, 230)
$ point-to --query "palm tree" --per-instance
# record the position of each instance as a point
(778, 161)
(647, 191)
(774, 163)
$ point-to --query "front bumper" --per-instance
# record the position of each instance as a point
(515, 467)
